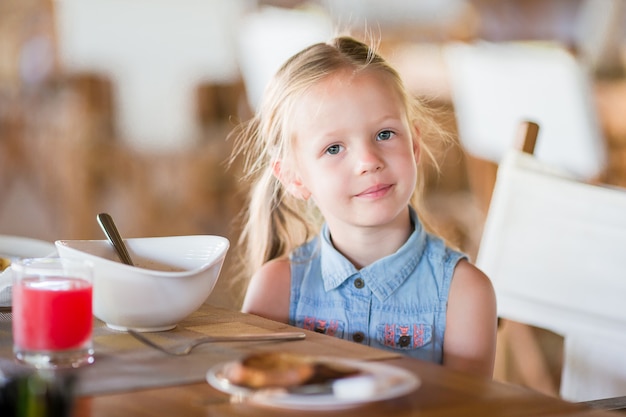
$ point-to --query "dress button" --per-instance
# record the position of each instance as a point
(359, 283)
(358, 337)
(404, 341)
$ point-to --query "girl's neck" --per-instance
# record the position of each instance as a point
(365, 245)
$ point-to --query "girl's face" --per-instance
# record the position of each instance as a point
(354, 152)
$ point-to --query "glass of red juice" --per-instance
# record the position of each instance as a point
(52, 312)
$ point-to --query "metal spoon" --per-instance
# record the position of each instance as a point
(110, 230)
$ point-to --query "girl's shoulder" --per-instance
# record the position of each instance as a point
(469, 276)
(278, 267)
(471, 288)
(268, 291)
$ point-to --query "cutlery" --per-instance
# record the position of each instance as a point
(110, 230)
(187, 347)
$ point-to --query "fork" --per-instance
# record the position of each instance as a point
(187, 348)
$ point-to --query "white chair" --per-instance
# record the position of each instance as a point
(269, 36)
(495, 85)
(156, 54)
(554, 248)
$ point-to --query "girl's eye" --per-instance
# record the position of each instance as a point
(333, 149)
(385, 135)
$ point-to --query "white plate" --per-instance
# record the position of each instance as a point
(24, 247)
(391, 382)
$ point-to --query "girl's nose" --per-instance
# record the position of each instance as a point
(368, 160)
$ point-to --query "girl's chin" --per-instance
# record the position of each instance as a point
(384, 219)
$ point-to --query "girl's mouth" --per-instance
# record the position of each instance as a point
(376, 191)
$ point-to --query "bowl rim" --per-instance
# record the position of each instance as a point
(155, 272)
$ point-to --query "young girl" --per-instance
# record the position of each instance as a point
(333, 234)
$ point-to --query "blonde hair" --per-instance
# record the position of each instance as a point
(274, 222)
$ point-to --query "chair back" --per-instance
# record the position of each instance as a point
(554, 248)
(495, 85)
(268, 37)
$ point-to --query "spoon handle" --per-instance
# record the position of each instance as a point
(110, 230)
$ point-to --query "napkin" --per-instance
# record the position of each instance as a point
(6, 287)
(13, 248)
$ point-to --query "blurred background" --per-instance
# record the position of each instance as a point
(124, 106)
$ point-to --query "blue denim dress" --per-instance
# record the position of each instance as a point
(398, 303)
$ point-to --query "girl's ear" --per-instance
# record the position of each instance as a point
(290, 181)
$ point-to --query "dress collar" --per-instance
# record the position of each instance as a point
(382, 277)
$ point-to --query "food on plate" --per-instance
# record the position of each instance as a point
(282, 370)
(4, 263)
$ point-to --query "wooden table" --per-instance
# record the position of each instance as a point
(442, 392)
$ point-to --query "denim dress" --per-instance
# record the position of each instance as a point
(397, 303)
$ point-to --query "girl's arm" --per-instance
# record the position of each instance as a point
(268, 291)
(471, 323)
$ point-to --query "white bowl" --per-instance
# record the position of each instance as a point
(171, 278)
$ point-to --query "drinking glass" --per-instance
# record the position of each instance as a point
(52, 312)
